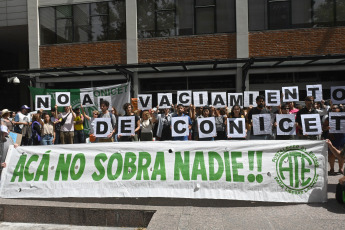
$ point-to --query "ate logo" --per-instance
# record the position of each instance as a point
(296, 169)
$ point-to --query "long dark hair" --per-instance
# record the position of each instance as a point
(232, 114)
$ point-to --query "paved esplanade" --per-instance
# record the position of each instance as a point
(209, 214)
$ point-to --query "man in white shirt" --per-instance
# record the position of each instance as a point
(67, 128)
(23, 121)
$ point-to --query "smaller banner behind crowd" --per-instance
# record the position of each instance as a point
(284, 171)
(90, 98)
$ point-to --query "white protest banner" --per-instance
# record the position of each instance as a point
(315, 91)
(268, 171)
(337, 122)
(184, 97)
(207, 127)
(87, 99)
(218, 99)
(236, 128)
(338, 94)
(311, 124)
(100, 99)
(250, 98)
(286, 124)
(126, 125)
(200, 98)
(179, 126)
(272, 97)
(235, 99)
(63, 98)
(262, 124)
(164, 100)
(144, 101)
(290, 93)
(42, 102)
(102, 127)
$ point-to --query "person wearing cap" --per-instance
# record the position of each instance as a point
(23, 120)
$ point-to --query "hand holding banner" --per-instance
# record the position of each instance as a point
(207, 127)
(87, 99)
(311, 124)
(102, 127)
(42, 102)
(63, 98)
(126, 126)
(286, 124)
(236, 128)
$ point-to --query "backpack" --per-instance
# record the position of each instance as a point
(35, 135)
(63, 121)
(27, 131)
(340, 193)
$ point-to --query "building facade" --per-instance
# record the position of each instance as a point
(170, 45)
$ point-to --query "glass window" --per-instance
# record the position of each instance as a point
(257, 16)
(323, 12)
(279, 14)
(146, 18)
(226, 16)
(340, 12)
(117, 20)
(81, 22)
(205, 16)
(161, 18)
(301, 13)
(47, 25)
(64, 24)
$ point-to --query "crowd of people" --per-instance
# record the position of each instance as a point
(52, 127)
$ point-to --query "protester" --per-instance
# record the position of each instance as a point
(23, 123)
(128, 112)
(67, 128)
(48, 131)
(337, 140)
(259, 109)
(338, 153)
(36, 129)
(106, 114)
(147, 124)
(236, 112)
(180, 113)
(116, 114)
(95, 114)
(206, 112)
(220, 117)
(57, 125)
(5, 117)
(283, 109)
(308, 109)
(164, 122)
(79, 136)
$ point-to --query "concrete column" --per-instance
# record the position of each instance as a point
(135, 84)
(34, 34)
(131, 31)
(242, 39)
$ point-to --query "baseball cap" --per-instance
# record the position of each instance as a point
(25, 107)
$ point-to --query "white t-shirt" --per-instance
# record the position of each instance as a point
(68, 126)
(22, 118)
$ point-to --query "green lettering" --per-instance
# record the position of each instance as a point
(19, 170)
(143, 168)
(81, 158)
(199, 160)
(286, 169)
(129, 168)
(118, 157)
(159, 167)
(99, 166)
(236, 165)
(305, 170)
(30, 176)
(42, 169)
(212, 157)
(227, 166)
(181, 166)
(62, 167)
